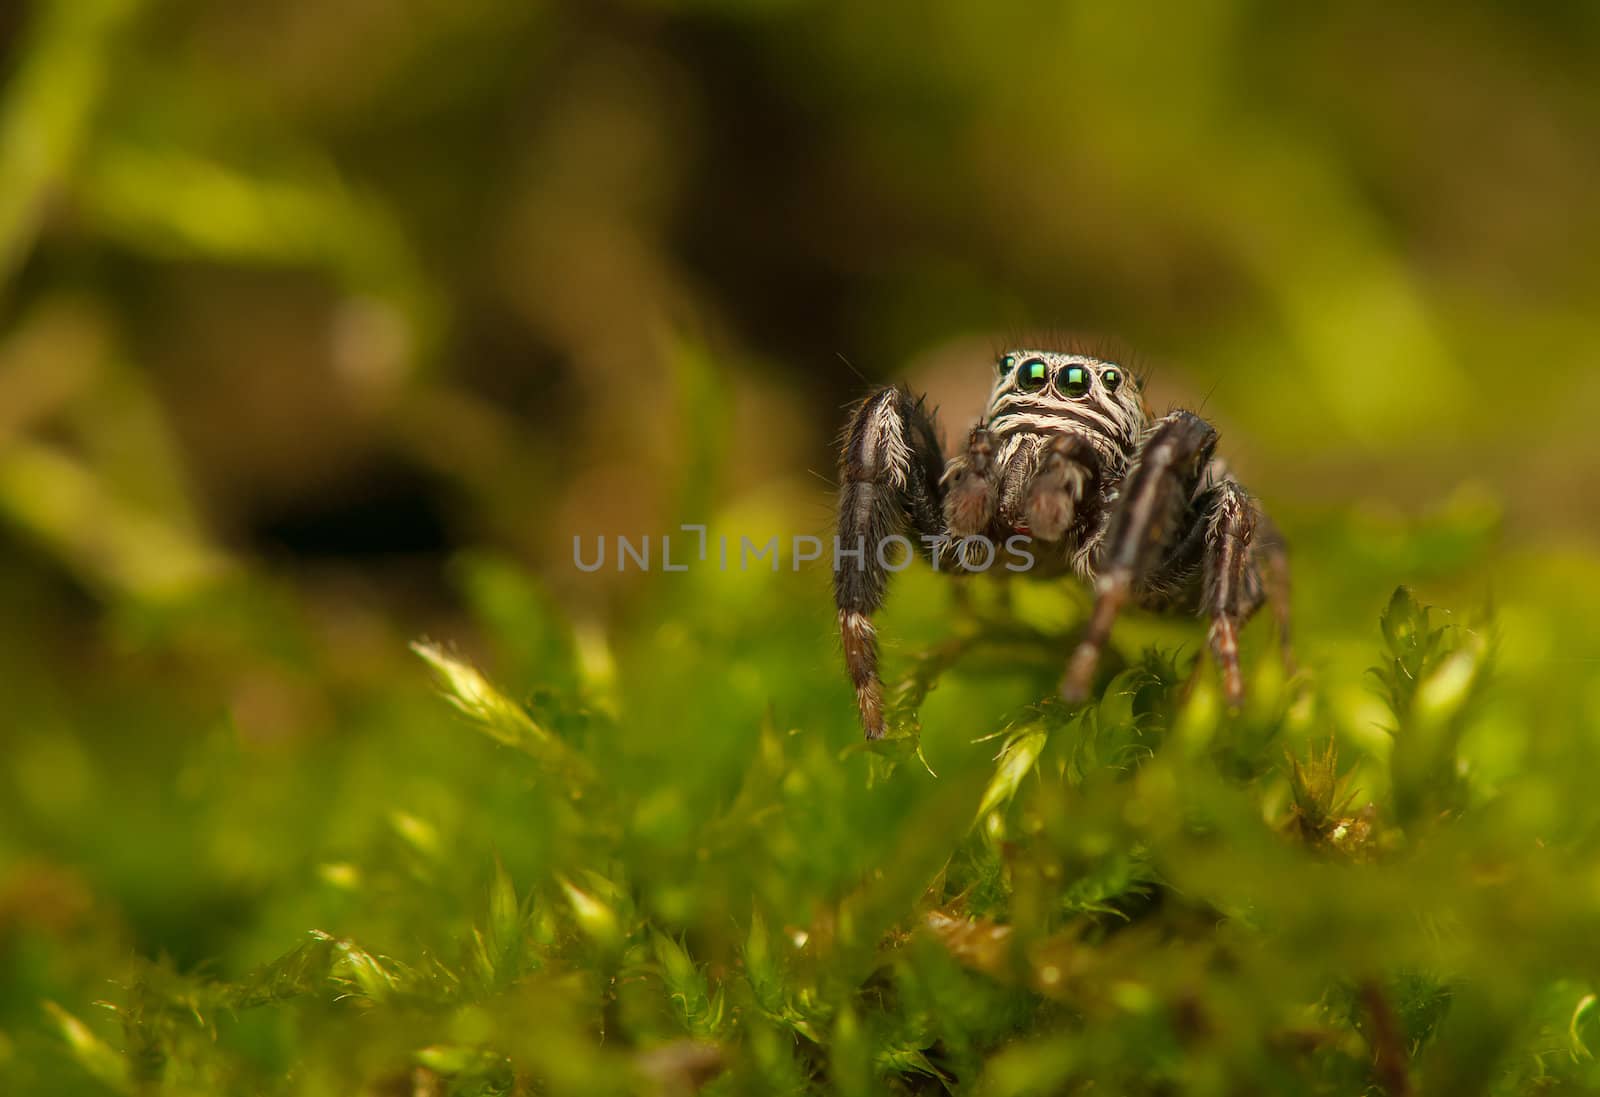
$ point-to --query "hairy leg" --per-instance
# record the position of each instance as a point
(971, 486)
(1232, 588)
(1065, 484)
(1146, 519)
(889, 475)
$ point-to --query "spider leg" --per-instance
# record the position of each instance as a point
(1146, 517)
(1232, 590)
(889, 474)
(972, 486)
(1066, 481)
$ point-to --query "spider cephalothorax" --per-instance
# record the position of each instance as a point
(1067, 456)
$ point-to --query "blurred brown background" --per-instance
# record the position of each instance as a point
(349, 284)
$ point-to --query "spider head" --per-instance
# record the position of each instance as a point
(1041, 391)
(1058, 375)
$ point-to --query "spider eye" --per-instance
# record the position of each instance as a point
(1033, 375)
(1074, 381)
(1007, 364)
(1111, 379)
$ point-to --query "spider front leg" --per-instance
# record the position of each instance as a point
(972, 487)
(1146, 520)
(889, 475)
(1064, 487)
(1233, 589)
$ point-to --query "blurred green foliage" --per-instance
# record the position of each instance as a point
(325, 325)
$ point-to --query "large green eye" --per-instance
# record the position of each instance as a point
(1111, 379)
(1033, 375)
(1074, 381)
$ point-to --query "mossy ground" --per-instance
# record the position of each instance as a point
(670, 864)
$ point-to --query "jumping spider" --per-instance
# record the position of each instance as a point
(1068, 455)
